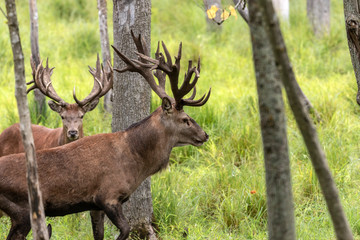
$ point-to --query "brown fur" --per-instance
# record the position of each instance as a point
(72, 116)
(97, 172)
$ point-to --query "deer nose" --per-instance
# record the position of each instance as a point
(73, 133)
(206, 136)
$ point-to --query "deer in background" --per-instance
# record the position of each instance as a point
(100, 172)
(71, 114)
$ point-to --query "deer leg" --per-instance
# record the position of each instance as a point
(20, 219)
(19, 228)
(115, 214)
(97, 222)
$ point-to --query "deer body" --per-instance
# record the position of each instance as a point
(44, 137)
(100, 172)
(97, 172)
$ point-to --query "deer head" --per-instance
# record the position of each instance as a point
(184, 129)
(71, 114)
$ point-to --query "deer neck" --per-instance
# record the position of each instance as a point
(150, 143)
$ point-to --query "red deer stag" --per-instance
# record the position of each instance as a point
(71, 114)
(100, 172)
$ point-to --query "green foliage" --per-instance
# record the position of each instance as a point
(206, 191)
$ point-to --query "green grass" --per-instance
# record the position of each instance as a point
(206, 191)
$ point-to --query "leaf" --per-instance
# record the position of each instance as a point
(211, 12)
(225, 14)
(233, 11)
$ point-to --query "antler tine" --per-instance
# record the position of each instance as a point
(142, 66)
(192, 95)
(97, 73)
(167, 54)
(197, 103)
(107, 80)
(42, 81)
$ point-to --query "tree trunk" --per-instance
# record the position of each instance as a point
(306, 126)
(105, 46)
(318, 12)
(281, 224)
(352, 24)
(211, 24)
(35, 52)
(242, 9)
(36, 205)
(132, 97)
(282, 9)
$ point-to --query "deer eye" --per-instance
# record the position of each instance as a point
(81, 116)
(185, 120)
(62, 117)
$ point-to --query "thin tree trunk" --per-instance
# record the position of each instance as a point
(211, 24)
(352, 24)
(105, 46)
(132, 97)
(35, 52)
(242, 9)
(307, 128)
(36, 205)
(318, 12)
(281, 224)
(282, 9)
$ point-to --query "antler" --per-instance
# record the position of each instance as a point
(145, 65)
(42, 81)
(143, 68)
(103, 82)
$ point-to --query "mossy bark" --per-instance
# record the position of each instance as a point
(132, 97)
(281, 224)
(36, 214)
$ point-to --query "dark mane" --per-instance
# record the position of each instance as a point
(134, 125)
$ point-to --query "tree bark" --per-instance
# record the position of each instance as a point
(211, 24)
(318, 12)
(282, 9)
(36, 205)
(352, 24)
(132, 97)
(242, 9)
(307, 128)
(35, 52)
(281, 224)
(105, 46)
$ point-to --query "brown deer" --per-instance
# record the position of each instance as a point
(71, 114)
(100, 172)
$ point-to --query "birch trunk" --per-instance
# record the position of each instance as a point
(352, 24)
(132, 97)
(282, 9)
(318, 12)
(281, 224)
(35, 52)
(105, 46)
(212, 25)
(36, 205)
(306, 126)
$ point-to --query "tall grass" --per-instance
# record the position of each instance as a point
(216, 191)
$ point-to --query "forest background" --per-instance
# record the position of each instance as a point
(216, 191)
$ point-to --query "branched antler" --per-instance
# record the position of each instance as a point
(103, 82)
(163, 66)
(42, 81)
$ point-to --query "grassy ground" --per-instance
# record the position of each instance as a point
(207, 190)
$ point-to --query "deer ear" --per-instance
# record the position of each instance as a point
(166, 105)
(90, 106)
(54, 106)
